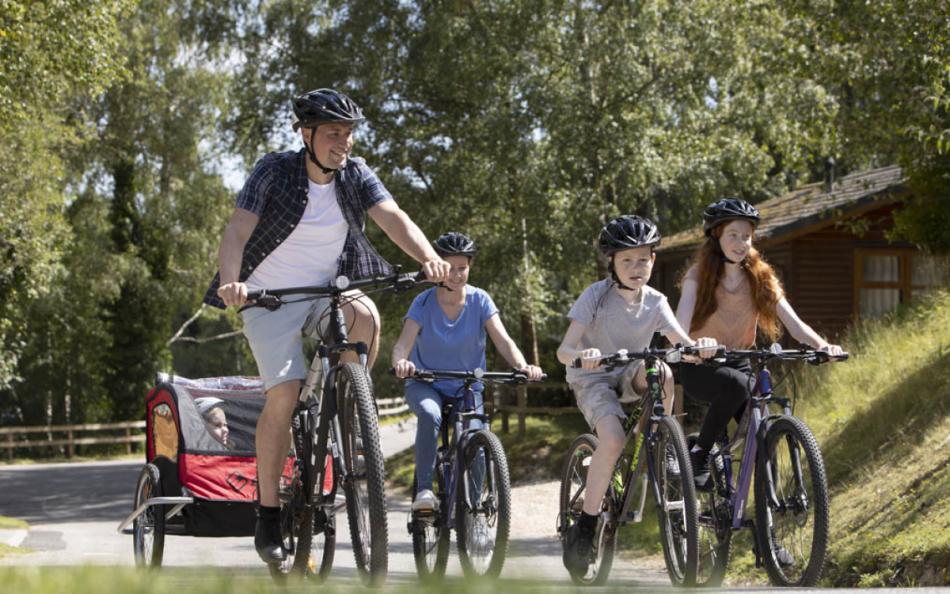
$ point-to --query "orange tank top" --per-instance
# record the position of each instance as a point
(735, 320)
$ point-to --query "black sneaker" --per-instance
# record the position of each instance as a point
(268, 541)
(577, 548)
(700, 462)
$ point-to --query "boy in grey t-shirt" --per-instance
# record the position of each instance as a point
(620, 312)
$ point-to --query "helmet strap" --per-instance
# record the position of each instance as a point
(313, 155)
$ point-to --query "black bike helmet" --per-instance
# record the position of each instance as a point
(628, 231)
(728, 209)
(454, 243)
(324, 106)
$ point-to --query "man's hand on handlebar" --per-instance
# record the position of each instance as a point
(436, 269)
(233, 294)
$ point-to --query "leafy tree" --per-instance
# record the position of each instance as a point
(50, 53)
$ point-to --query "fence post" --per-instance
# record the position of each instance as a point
(128, 440)
(522, 404)
(10, 447)
(70, 446)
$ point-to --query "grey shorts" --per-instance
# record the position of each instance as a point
(597, 394)
(276, 337)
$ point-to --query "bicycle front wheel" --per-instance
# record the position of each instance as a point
(573, 492)
(364, 475)
(676, 506)
(483, 512)
(791, 504)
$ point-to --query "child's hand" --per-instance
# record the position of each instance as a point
(707, 347)
(404, 368)
(832, 349)
(590, 358)
(533, 372)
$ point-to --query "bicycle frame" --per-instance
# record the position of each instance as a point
(459, 422)
(644, 462)
(320, 402)
(757, 412)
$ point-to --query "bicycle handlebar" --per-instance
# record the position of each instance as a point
(623, 356)
(271, 298)
(495, 377)
(812, 356)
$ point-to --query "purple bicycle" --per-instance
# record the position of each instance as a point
(791, 492)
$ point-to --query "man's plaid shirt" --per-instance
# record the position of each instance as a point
(276, 191)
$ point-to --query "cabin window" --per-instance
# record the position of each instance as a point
(886, 278)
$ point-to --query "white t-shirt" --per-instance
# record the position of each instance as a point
(311, 253)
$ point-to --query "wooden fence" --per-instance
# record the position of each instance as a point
(514, 401)
(54, 436)
(498, 400)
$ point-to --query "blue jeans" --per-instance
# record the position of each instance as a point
(426, 402)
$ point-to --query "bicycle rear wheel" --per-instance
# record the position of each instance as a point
(573, 490)
(364, 475)
(430, 535)
(714, 526)
(483, 516)
(676, 507)
(792, 527)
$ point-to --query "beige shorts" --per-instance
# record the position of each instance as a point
(276, 337)
(597, 394)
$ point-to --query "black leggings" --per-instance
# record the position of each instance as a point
(725, 387)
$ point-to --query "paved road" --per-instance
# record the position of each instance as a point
(73, 510)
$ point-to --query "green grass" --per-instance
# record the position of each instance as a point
(882, 420)
(113, 580)
(7, 523)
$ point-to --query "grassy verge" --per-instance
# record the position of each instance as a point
(883, 420)
(7, 523)
(12, 524)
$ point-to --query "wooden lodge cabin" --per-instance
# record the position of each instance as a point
(829, 247)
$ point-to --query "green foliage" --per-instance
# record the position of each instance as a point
(51, 53)
(120, 236)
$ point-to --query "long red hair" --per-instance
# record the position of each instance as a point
(766, 288)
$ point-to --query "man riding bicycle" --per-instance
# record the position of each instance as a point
(299, 220)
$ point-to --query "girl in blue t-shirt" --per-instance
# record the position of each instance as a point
(445, 329)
